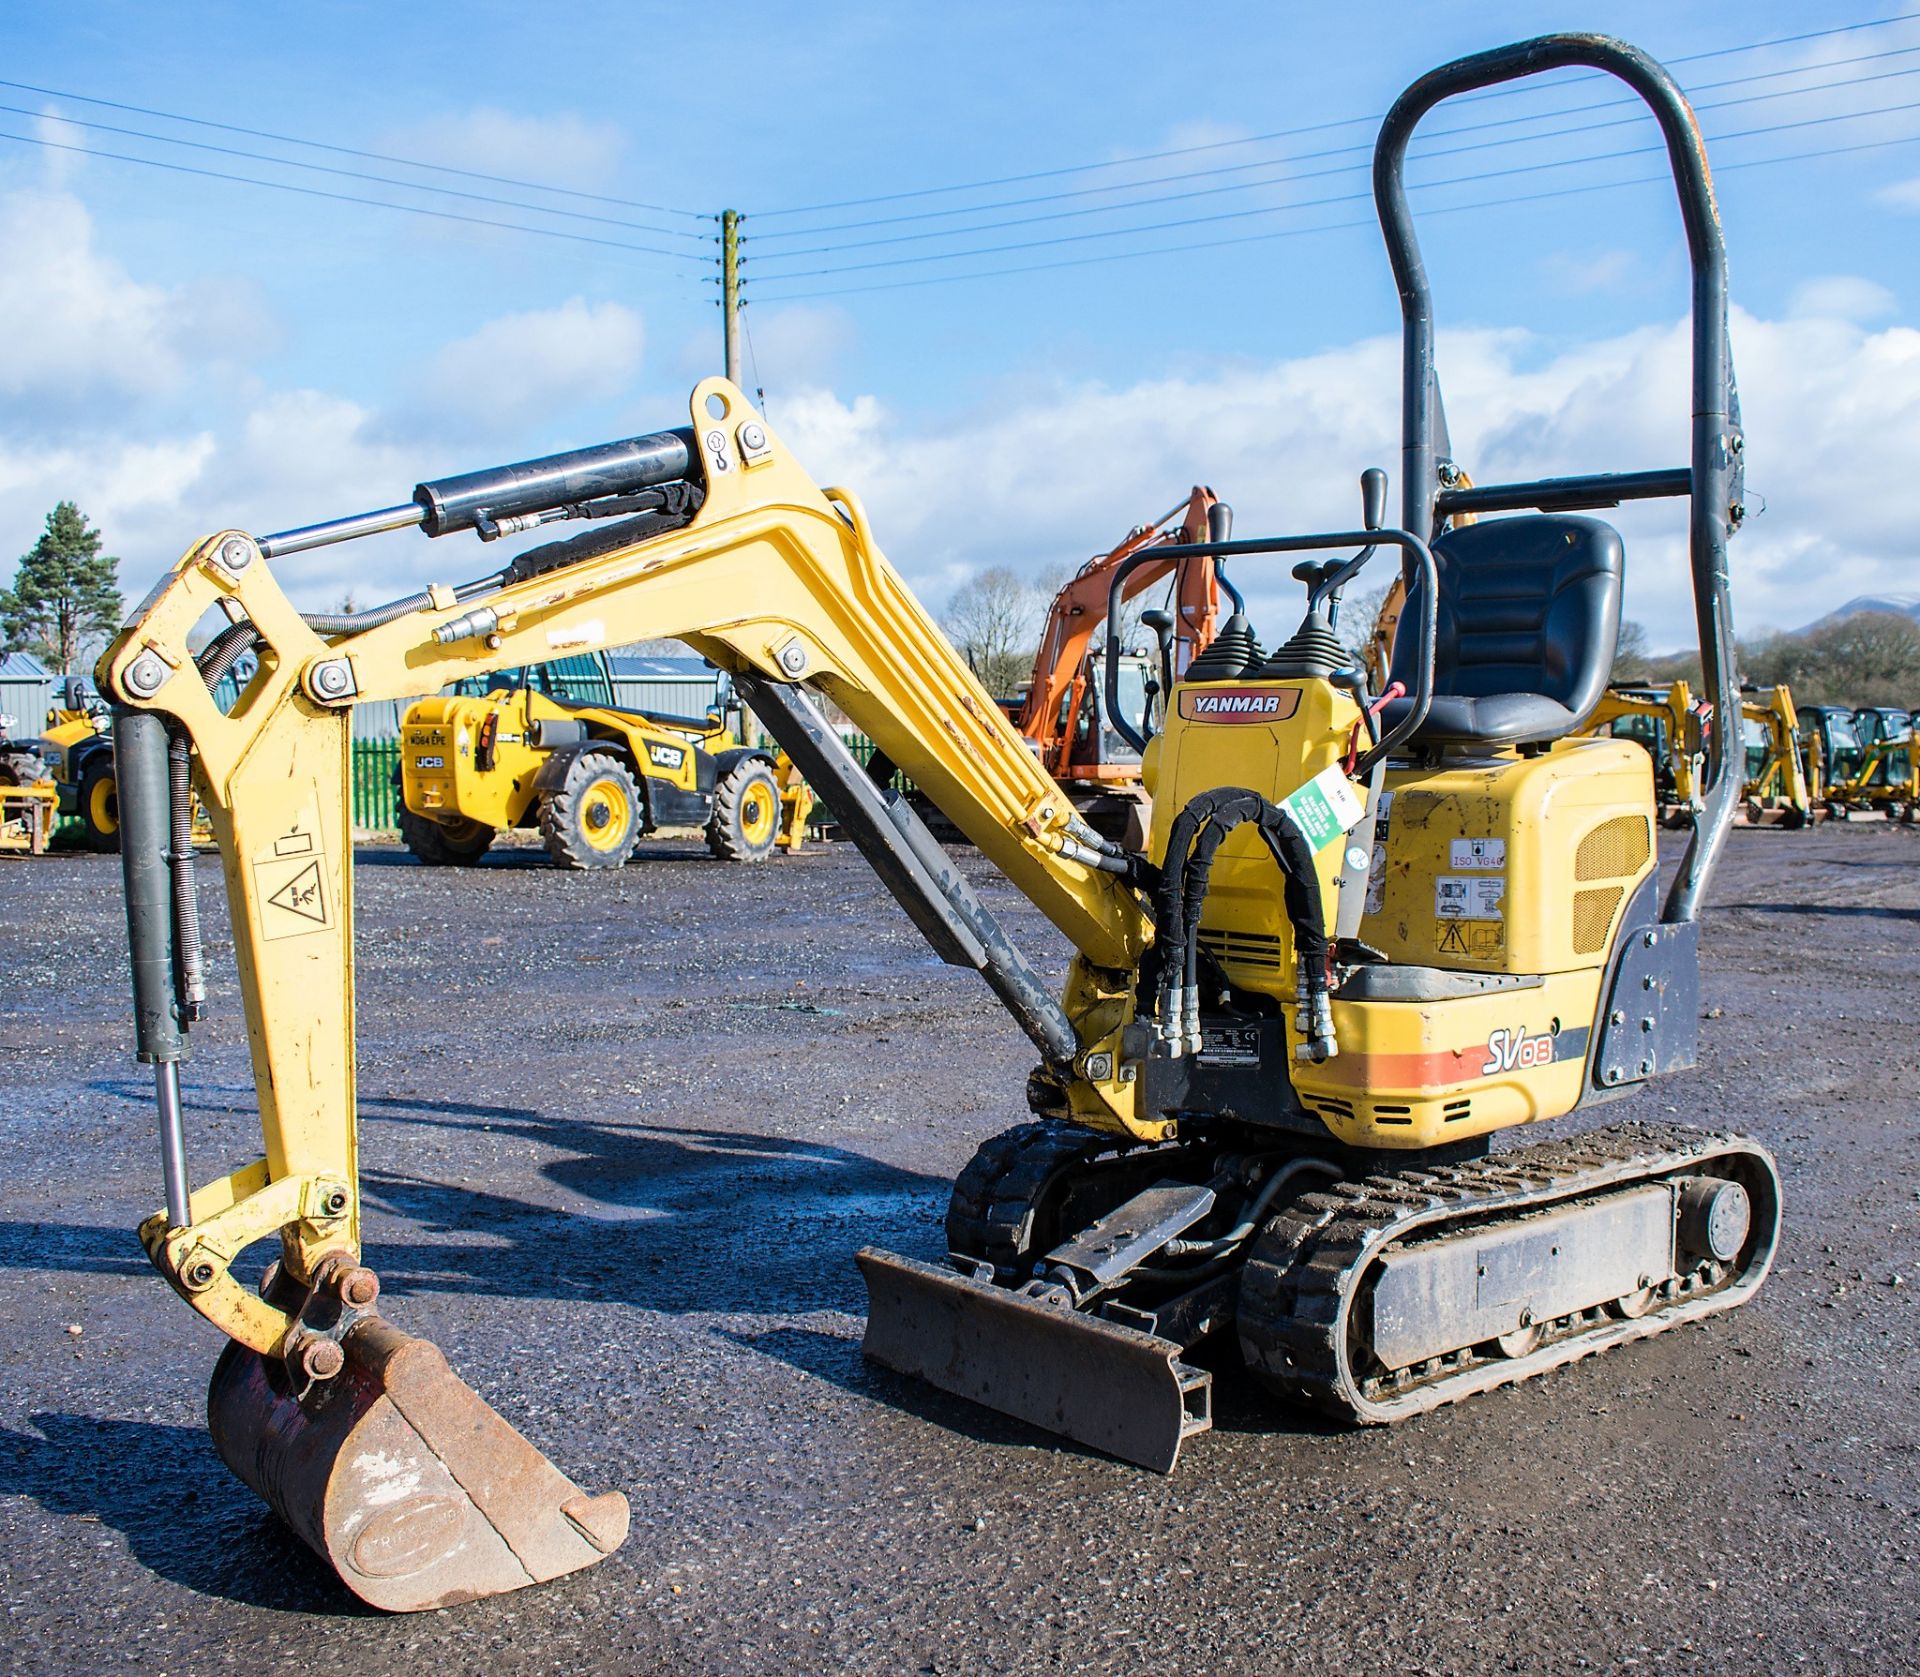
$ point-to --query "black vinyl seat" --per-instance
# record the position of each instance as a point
(1529, 614)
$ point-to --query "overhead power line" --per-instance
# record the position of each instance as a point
(1287, 133)
(1340, 198)
(1289, 177)
(358, 175)
(1363, 222)
(353, 198)
(351, 151)
(1364, 149)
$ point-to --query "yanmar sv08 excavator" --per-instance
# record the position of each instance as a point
(1371, 931)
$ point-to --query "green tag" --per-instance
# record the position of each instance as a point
(1325, 807)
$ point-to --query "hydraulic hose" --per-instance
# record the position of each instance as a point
(189, 975)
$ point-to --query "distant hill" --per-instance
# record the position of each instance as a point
(1903, 605)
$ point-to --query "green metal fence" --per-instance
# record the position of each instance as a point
(863, 748)
(375, 797)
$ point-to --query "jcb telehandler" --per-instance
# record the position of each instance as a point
(546, 746)
(1370, 932)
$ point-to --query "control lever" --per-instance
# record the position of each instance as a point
(1220, 529)
(1161, 623)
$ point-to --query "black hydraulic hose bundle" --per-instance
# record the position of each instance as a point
(1196, 836)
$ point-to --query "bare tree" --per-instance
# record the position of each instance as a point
(1631, 653)
(1868, 658)
(994, 621)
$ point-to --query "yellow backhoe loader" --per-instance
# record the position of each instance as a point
(546, 746)
(1368, 934)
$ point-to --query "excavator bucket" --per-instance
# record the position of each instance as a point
(409, 1484)
(1111, 1387)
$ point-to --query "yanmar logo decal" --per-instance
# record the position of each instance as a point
(1238, 704)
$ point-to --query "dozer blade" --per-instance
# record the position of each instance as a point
(1113, 1388)
(409, 1484)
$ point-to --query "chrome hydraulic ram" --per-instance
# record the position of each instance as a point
(503, 499)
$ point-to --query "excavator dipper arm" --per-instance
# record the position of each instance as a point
(400, 1475)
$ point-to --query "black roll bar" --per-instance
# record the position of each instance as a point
(1712, 479)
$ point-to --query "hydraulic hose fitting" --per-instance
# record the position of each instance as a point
(472, 625)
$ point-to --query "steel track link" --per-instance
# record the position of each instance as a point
(1303, 1278)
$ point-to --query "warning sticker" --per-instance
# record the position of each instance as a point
(1377, 880)
(1453, 938)
(1488, 938)
(289, 878)
(1488, 853)
(1467, 897)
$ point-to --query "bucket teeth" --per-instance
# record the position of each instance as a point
(405, 1479)
(1113, 1388)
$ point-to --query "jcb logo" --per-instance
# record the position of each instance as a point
(1515, 1050)
(665, 756)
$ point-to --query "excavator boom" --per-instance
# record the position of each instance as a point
(752, 565)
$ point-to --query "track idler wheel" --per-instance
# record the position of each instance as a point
(416, 1492)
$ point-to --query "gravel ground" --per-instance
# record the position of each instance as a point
(621, 1139)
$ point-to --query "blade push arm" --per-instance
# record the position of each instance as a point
(773, 579)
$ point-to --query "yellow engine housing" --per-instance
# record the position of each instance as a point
(1498, 888)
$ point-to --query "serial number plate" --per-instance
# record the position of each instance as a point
(1231, 1045)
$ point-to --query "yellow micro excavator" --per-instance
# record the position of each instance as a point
(1369, 932)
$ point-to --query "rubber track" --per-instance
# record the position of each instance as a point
(1301, 1278)
(1003, 1181)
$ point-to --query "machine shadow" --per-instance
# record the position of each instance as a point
(72, 1248)
(676, 1220)
(184, 1517)
(1240, 1405)
(1852, 911)
(719, 1222)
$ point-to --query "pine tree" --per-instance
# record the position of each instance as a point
(63, 596)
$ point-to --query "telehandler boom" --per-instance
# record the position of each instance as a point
(1371, 930)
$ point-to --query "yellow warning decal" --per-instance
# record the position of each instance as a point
(290, 883)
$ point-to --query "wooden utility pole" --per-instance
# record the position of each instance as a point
(730, 290)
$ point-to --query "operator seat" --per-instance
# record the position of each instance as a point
(1529, 614)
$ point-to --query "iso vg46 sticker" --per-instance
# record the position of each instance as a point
(1468, 896)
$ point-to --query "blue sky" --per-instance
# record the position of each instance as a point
(221, 352)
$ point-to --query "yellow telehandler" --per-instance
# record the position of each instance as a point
(545, 746)
(1368, 933)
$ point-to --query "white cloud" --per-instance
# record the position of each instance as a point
(521, 367)
(59, 161)
(1588, 271)
(799, 344)
(563, 150)
(100, 368)
(1830, 409)
(75, 323)
(1842, 297)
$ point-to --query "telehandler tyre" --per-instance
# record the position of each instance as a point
(451, 844)
(99, 805)
(746, 813)
(593, 820)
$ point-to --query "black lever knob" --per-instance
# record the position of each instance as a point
(1373, 498)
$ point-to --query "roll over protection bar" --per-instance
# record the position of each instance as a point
(1713, 476)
